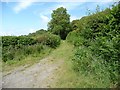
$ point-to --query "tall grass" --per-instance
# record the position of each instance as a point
(15, 49)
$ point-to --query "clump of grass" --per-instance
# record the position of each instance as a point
(30, 59)
(84, 63)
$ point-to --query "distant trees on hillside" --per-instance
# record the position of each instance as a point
(38, 32)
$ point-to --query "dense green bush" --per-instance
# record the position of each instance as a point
(18, 47)
(15, 53)
(14, 40)
(49, 39)
(12, 45)
(98, 44)
(73, 37)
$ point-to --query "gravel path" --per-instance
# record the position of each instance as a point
(39, 75)
(43, 74)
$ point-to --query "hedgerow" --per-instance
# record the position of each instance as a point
(49, 39)
(97, 40)
(18, 47)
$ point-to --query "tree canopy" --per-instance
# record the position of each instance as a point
(60, 22)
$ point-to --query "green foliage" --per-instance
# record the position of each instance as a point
(89, 65)
(60, 23)
(15, 53)
(14, 40)
(49, 39)
(19, 47)
(73, 37)
(13, 44)
(37, 33)
(74, 24)
(97, 38)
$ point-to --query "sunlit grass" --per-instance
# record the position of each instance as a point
(68, 78)
(29, 60)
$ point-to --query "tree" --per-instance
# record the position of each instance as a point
(74, 24)
(60, 23)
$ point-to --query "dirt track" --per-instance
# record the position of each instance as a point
(40, 75)
(43, 74)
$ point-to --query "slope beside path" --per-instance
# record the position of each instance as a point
(42, 74)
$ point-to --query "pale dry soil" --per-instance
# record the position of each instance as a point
(40, 75)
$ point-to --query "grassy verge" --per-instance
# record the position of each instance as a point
(64, 51)
(67, 77)
(28, 61)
